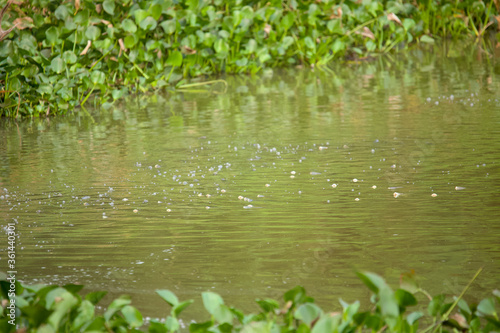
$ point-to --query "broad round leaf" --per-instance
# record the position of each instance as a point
(57, 65)
(109, 6)
(132, 316)
(97, 77)
(52, 35)
(148, 23)
(168, 296)
(69, 57)
(93, 32)
(129, 26)
(308, 313)
(174, 59)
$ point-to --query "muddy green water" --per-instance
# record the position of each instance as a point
(233, 192)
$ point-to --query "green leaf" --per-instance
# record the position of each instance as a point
(132, 316)
(156, 327)
(373, 281)
(287, 20)
(211, 301)
(140, 15)
(308, 313)
(426, 39)
(200, 327)
(413, 317)
(69, 57)
(52, 34)
(148, 23)
(326, 324)
(169, 26)
(338, 45)
(62, 307)
(155, 11)
(130, 41)
(85, 314)
(174, 59)
(297, 295)
(223, 315)
(487, 307)
(405, 298)
(97, 77)
(61, 13)
(96, 296)
(309, 43)
(109, 6)
(57, 65)
(44, 88)
(268, 305)
(168, 297)
(181, 307)
(129, 26)
(256, 327)
(387, 302)
(220, 46)
(435, 305)
(116, 305)
(407, 282)
(172, 324)
(92, 32)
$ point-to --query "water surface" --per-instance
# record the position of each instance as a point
(232, 192)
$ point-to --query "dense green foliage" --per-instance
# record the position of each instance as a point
(63, 52)
(62, 309)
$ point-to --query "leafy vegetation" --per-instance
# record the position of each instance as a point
(55, 55)
(62, 309)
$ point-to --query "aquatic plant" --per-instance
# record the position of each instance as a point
(62, 309)
(58, 55)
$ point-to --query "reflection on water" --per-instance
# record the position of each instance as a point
(295, 177)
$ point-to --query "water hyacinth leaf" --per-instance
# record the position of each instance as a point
(61, 12)
(168, 297)
(148, 23)
(109, 6)
(181, 307)
(140, 15)
(297, 295)
(62, 307)
(220, 46)
(155, 11)
(57, 65)
(487, 307)
(326, 324)
(97, 77)
(405, 298)
(132, 316)
(338, 45)
(172, 324)
(388, 303)
(169, 26)
(309, 43)
(130, 41)
(156, 327)
(407, 282)
(436, 305)
(69, 57)
(129, 26)
(223, 315)
(52, 35)
(116, 305)
(413, 317)
(426, 39)
(174, 59)
(95, 297)
(44, 88)
(92, 32)
(200, 327)
(373, 281)
(287, 20)
(85, 314)
(268, 305)
(211, 301)
(308, 313)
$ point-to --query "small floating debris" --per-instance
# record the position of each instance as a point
(292, 176)
(240, 197)
(357, 199)
(222, 191)
(322, 148)
(135, 211)
(260, 196)
(208, 207)
(394, 187)
(168, 210)
(267, 185)
(157, 166)
(459, 188)
(124, 199)
(208, 195)
(200, 194)
(248, 207)
(292, 172)
(434, 195)
(314, 173)
(334, 185)
(374, 186)
(354, 180)
(396, 194)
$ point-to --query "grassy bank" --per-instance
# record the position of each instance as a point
(62, 309)
(59, 53)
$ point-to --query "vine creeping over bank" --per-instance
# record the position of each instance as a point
(54, 55)
(62, 309)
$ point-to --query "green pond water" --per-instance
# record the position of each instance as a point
(292, 177)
